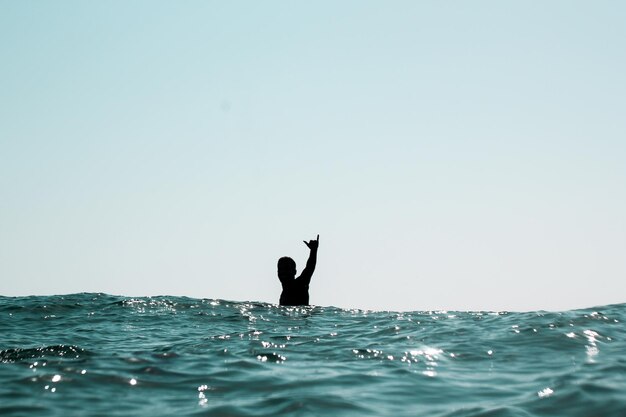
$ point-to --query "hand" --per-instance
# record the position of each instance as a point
(313, 244)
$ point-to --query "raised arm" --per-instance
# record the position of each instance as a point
(307, 273)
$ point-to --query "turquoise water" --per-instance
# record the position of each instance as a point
(97, 354)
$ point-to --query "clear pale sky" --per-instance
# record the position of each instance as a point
(451, 155)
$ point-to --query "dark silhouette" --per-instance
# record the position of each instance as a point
(296, 290)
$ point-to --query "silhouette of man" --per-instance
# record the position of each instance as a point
(296, 290)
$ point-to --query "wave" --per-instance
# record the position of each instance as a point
(115, 355)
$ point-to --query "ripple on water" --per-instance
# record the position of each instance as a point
(182, 356)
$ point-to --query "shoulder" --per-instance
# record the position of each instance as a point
(301, 281)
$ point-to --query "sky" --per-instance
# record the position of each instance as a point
(451, 155)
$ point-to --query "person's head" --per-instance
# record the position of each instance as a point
(286, 268)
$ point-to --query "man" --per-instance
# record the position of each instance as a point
(296, 290)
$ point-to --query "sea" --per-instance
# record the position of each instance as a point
(105, 355)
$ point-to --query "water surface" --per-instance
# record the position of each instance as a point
(97, 354)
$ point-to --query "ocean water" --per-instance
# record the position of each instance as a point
(98, 354)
